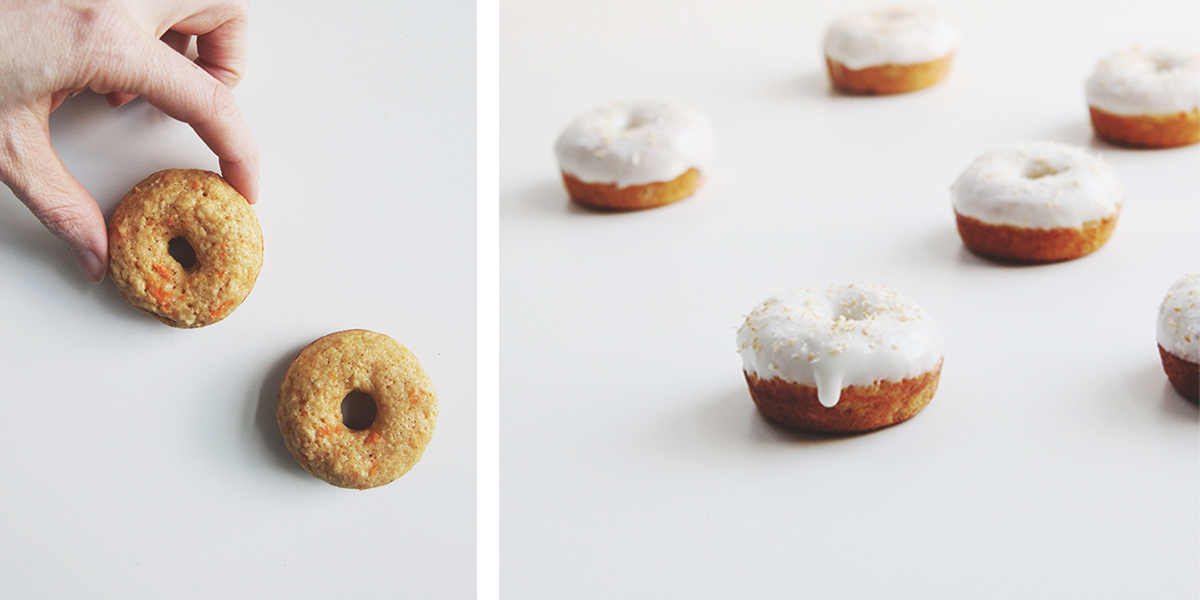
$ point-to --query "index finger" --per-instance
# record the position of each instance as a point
(186, 92)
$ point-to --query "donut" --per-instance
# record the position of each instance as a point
(1179, 336)
(1036, 202)
(1146, 98)
(889, 50)
(633, 156)
(310, 417)
(218, 237)
(840, 358)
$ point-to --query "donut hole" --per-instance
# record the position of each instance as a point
(635, 121)
(182, 251)
(854, 309)
(1166, 64)
(1039, 169)
(358, 410)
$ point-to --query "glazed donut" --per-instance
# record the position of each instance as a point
(1179, 336)
(219, 227)
(1036, 202)
(889, 50)
(632, 156)
(1146, 98)
(840, 359)
(310, 400)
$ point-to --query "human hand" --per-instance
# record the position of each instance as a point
(123, 49)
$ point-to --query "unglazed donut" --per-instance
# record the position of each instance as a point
(1146, 98)
(840, 359)
(889, 50)
(1036, 202)
(217, 223)
(1179, 336)
(632, 156)
(309, 409)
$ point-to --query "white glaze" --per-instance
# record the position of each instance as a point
(1137, 81)
(837, 336)
(636, 143)
(1038, 185)
(1179, 319)
(891, 36)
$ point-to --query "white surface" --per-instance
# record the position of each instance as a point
(1055, 460)
(143, 461)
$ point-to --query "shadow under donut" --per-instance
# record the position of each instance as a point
(549, 198)
(264, 416)
(732, 420)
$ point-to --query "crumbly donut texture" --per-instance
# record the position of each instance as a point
(607, 196)
(1009, 243)
(216, 221)
(635, 155)
(887, 79)
(861, 408)
(1147, 131)
(1184, 375)
(310, 400)
(1178, 334)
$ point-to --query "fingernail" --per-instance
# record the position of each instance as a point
(91, 266)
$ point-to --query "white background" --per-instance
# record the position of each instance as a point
(1054, 462)
(141, 461)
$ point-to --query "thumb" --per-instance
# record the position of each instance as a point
(30, 167)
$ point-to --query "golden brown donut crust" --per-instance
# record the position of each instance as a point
(309, 411)
(1148, 131)
(1183, 373)
(1010, 243)
(607, 196)
(216, 221)
(861, 408)
(887, 79)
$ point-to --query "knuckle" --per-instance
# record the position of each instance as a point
(221, 104)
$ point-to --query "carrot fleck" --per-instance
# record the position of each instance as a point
(371, 471)
(372, 438)
(220, 308)
(163, 297)
(163, 271)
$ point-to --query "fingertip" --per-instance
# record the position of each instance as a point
(118, 99)
(243, 177)
(91, 265)
(191, 95)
